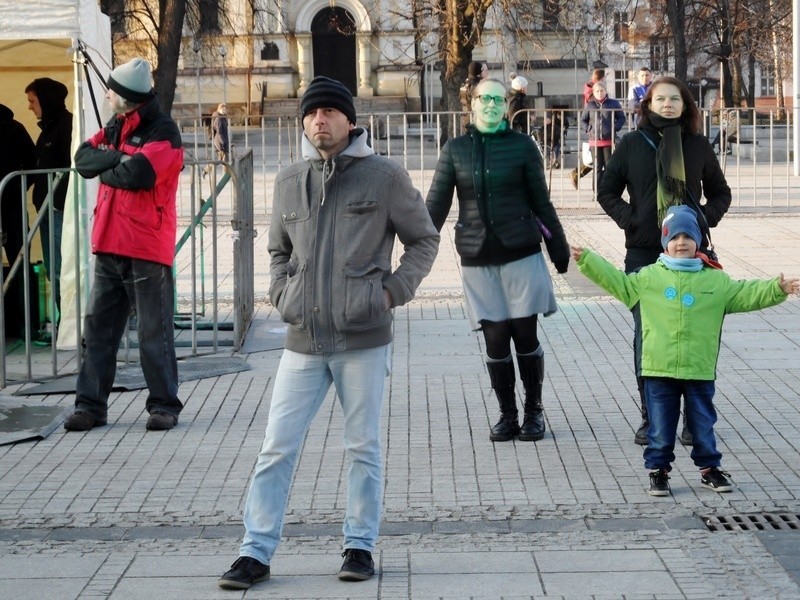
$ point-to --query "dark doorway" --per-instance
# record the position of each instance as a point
(333, 36)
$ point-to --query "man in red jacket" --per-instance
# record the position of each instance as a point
(138, 157)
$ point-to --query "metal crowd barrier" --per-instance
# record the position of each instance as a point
(757, 160)
(199, 291)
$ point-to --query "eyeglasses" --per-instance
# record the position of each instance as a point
(486, 98)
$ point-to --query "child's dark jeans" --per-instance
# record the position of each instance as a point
(663, 397)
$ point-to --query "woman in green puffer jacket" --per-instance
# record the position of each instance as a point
(504, 215)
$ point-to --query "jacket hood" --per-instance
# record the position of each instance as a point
(358, 148)
(52, 95)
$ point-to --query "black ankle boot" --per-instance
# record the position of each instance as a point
(686, 436)
(501, 374)
(641, 434)
(531, 372)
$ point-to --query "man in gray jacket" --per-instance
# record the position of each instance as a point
(334, 221)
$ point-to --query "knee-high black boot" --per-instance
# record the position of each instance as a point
(501, 374)
(531, 372)
(686, 435)
(641, 433)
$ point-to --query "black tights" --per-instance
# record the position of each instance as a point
(498, 336)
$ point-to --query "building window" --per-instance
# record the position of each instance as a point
(209, 16)
(659, 54)
(621, 27)
(270, 51)
(115, 9)
(551, 9)
(767, 80)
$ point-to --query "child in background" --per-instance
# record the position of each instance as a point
(683, 298)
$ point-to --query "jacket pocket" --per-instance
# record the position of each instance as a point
(140, 207)
(469, 237)
(363, 307)
(291, 305)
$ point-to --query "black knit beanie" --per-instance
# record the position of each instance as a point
(324, 92)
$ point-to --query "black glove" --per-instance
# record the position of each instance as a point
(562, 266)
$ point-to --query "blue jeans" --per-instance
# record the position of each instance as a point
(53, 264)
(664, 407)
(301, 383)
(119, 284)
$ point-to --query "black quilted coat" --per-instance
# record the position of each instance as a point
(632, 168)
(503, 201)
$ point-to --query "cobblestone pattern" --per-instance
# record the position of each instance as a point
(441, 468)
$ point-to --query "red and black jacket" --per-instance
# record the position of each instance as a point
(138, 157)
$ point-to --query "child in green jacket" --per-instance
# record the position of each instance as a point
(683, 299)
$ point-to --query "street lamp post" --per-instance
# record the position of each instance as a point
(706, 125)
(575, 62)
(624, 47)
(703, 82)
(197, 46)
(428, 59)
(223, 52)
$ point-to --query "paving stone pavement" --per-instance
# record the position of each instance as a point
(122, 513)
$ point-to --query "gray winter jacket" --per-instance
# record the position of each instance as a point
(331, 239)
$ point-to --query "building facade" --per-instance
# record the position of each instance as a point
(260, 55)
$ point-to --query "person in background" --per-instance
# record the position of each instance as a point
(504, 216)
(602, 117)
(556, 124)
(17, 153)
(517, 96)
(598, 76)
(683, 299)
(47, 100)
(666, 161)
(637, 92)
(476, 72)
(219, 129)
(727, 133)
(337, 217)
(138, 157)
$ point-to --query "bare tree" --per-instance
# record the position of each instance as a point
(736, 35)
(155, 27)
(676, 13)
(168, 44)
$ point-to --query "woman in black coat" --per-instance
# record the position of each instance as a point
(666, 161)
(504, 215)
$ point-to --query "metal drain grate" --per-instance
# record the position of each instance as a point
(762, 522)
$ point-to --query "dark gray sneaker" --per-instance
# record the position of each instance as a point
(716, 479)
(357, 566)
(243, 573)
(161, 421)
(659, 483)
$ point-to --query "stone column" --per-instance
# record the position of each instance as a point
(304, 56)
(364, 60)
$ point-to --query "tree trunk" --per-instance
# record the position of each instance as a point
(751, 76)
(780, 101)
(172, 13)
(676, 13)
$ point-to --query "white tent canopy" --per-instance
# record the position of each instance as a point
(40, 38)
